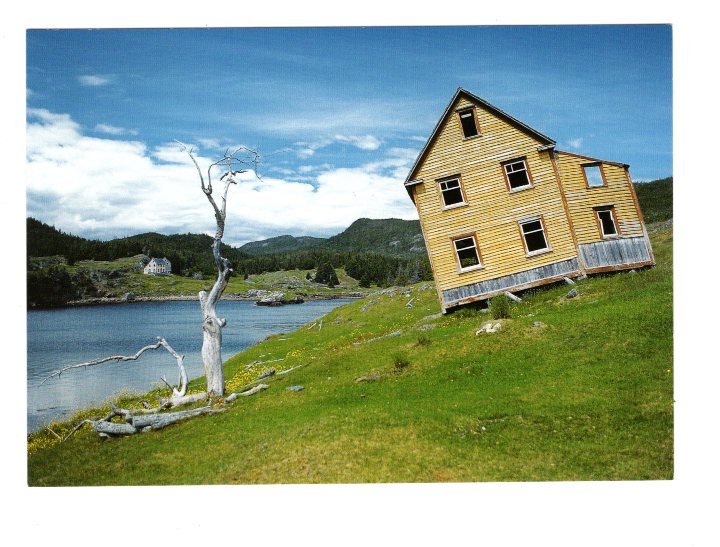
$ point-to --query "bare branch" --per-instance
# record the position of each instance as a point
(180, 391)
(192, 157)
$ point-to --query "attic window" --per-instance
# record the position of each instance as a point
(593, 175)
(607, 222)
(517, 174)
(533, 233)
(467, 253)
(451, 191)
(468, 122)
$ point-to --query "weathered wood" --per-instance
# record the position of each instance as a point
(254, 390)
(288, 371)
(173, 402)
(158, 421)
(113, 429)
(512, 297)
(615, 252)
(521, 280)
(568, 281)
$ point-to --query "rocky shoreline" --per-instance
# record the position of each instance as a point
(269, 299)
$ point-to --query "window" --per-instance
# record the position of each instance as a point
(468, 122)
(451, 192)
(467, 253)
(533, 233)
(517, 174)
(593, 175)
(606, 220)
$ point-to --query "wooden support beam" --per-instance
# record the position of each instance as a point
(568, 281)
(512, 297)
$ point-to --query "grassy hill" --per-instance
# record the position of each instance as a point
(586, 395)
(656, 199)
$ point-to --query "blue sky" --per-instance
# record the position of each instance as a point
(338, 113)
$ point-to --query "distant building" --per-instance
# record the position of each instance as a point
(502, 210)
(158, 266)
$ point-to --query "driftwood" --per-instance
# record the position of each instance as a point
(137, 421)
(230, 398)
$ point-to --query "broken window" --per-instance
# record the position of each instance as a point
(606, 219)
(534, 234)
(451, 192)
(467, 253)
(468, 122)
(593, 175)
(517, 175)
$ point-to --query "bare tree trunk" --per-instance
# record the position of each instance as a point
(212, 324)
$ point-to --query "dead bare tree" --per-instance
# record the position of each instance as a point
(212, 324)
(235, 163)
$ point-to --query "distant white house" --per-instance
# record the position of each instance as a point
(158, 266)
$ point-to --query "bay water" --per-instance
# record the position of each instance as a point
(68, 336)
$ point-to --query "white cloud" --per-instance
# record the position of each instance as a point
(365, 142)
(575, 143)
(305, 150)
(98, 187)
(93, 80)
(112, 130)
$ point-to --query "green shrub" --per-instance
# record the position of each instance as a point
(500, 307)
(423, 340)
(400, 362)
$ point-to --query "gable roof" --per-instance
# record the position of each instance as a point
(486, 105)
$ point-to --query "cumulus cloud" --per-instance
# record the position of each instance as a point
(93, 80)
(101, 187)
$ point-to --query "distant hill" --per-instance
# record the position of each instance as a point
(388, 236)
(280, 244)
(656, 199)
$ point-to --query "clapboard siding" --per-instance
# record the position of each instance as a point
(519, 279)
(615, 252)
(581, 199)
(493, 211)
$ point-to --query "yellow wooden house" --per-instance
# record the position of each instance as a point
(502, 210)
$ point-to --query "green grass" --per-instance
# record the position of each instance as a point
(585, 396)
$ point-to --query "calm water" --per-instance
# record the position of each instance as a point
(75, 335)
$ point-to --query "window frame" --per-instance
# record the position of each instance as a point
(599, 165)
(613, 216)
(442, 180)
(530, 184)
(473, 110)
(472, 235)
(547, 249)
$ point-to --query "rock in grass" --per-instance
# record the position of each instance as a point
(370, 378)
(295, 388)
(538, 324)
(489, 328)
(572, 293)
(268, 372)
